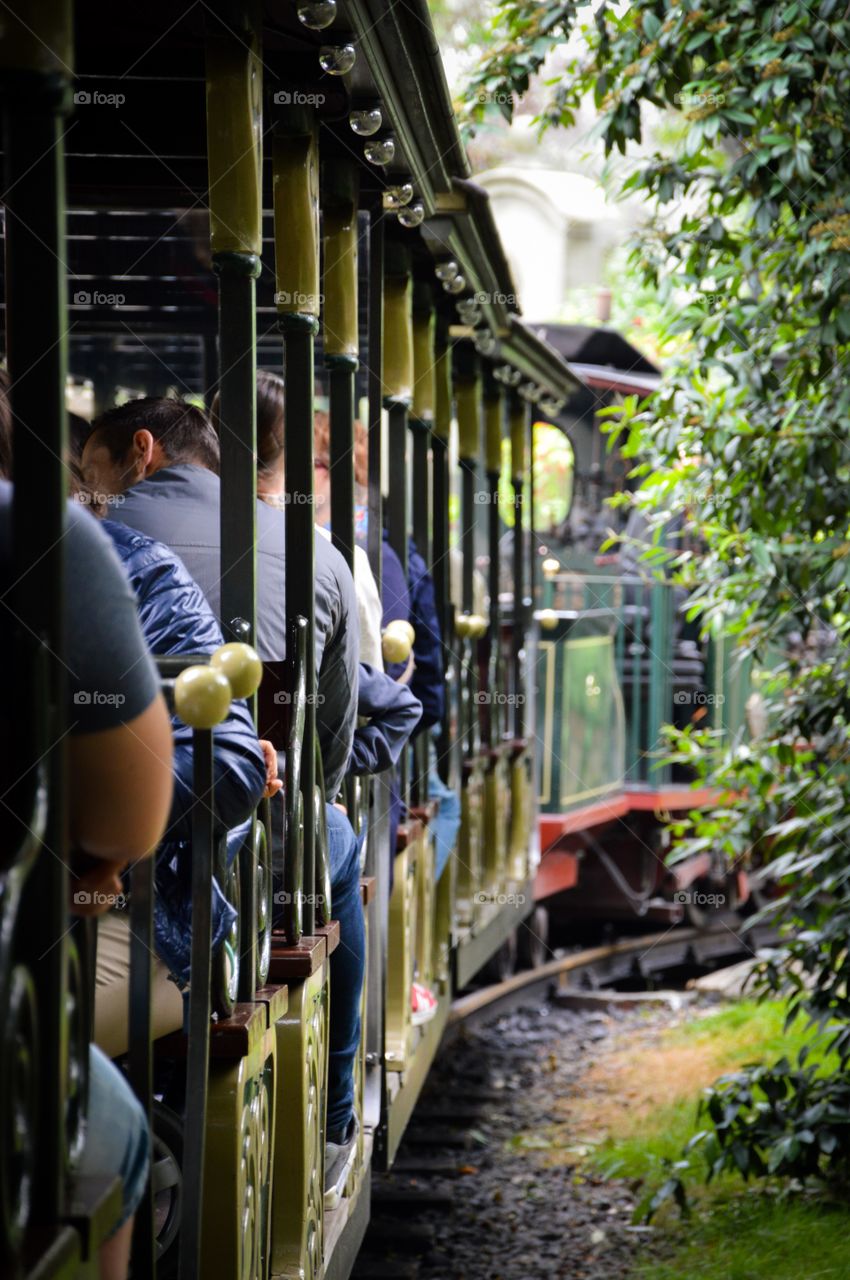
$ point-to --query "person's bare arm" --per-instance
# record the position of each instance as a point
(120, 787)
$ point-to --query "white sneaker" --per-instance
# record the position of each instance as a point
(339, 1161)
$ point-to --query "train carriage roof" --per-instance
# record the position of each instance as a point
(137, 177)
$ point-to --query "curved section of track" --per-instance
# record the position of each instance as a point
(640, 958)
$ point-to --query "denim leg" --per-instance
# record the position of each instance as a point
(347, 965)
(445, 825)
(117, 1138)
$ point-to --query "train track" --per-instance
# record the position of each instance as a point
(641, 960)
(462, 1199)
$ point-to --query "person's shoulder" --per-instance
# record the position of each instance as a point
(88, 535)
(182, 480)
(139, 551)
(329, 562)
(125, 539)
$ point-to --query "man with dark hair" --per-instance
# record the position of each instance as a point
(140, 437)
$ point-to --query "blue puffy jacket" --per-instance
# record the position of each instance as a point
(428, 680)
(176, 619)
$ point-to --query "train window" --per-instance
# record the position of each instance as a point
(554, 468)
(554, 471)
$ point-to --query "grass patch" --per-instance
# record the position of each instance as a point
(754, 1237)
(660, 1081)
(649, 1093)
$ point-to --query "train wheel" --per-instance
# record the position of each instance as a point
(533, 939)
(167, 1185)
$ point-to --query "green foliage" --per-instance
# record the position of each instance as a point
(749, 249)
(789, 1121)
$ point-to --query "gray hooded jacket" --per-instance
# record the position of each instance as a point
(179, 505)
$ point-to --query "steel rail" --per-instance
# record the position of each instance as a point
(685, 943)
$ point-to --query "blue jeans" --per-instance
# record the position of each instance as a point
(347, 966)
(444, 828)
(117, 1137)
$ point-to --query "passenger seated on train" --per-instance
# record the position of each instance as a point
(413, 600)
(162, 455)
(120, 788)
(389, 710)
(176, 619)
(368, 599)
(392, 712)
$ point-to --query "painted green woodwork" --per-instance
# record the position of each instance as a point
(299, 1139)
(400, 941)
(470, 845)
(237, 1162)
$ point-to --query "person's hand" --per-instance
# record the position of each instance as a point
(273, 781)
(97, 889)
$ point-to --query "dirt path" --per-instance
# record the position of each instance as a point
(489, 1184)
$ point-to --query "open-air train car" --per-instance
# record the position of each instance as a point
(190, 190)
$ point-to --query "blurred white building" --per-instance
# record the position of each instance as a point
(557, 229)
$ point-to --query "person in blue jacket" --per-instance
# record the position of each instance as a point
(429, 679)
(414, 601)
(176, 619)
(392, 712)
